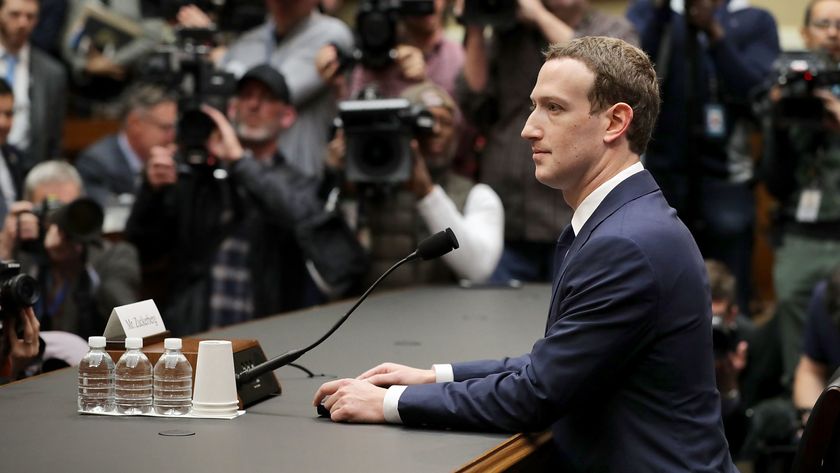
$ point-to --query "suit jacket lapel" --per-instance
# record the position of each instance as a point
(630, 189)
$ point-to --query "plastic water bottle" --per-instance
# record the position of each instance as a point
(173, 381)
(133, 379)
(96, 378)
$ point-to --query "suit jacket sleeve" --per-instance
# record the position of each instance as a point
(283, 195)
(94, 175)
(607, 308)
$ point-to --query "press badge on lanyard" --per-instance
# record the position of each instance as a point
(809, 205)
(714, 120)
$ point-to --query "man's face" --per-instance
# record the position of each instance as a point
(566, 139)
(438, 149)
(152, 127)
(823, 31)
(7, 112)
(427, 24)
(257, 115)
(17, 20)
(59, 248)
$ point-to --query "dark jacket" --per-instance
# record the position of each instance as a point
(185, 222)
(624, 374)
(105, 170)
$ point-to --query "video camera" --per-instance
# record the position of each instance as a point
(187, 69)
(378, 134)
(16, 290)
(80, 221)
(376, 30)
(799, 74)
(495, 13)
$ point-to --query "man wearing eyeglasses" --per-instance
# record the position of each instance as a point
(801, 168)
(113, 166)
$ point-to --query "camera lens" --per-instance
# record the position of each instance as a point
(379, 155)
(20, 290)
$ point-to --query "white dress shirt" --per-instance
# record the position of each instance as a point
(19, 136)
(444, 372)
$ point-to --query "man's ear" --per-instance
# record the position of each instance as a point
(619, 117)
(288, 116)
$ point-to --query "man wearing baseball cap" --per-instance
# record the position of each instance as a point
(228, 229)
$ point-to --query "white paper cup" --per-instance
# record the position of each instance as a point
(215, 379)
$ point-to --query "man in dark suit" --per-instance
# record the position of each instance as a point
(11, 161)
(625, 374)
(39, 83)
(114, 165)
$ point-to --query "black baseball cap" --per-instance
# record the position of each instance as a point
(271, 78)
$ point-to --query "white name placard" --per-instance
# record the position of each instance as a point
(140, 319)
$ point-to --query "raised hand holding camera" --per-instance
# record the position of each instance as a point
(160, 168)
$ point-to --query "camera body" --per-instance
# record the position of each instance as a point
(187, 69)
(376, 29)
(378, 134)
(799, 73)
(80, 221)
(724, 337)
(17, 290)
(495, 13)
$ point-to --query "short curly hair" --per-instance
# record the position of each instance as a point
(623, 73)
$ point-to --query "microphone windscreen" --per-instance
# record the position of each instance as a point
(437, 245)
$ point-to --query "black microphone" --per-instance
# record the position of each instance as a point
(432, 247)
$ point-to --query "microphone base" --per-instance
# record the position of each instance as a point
(247, 353)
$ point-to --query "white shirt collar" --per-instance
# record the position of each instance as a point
(134, 161)
(594, 199)
(22, 55)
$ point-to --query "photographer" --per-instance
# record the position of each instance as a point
(820, 359)
(493, 92)
(422, 52)
(731, 331)
(700, 153)
(289, 41)
(226, 225)
(18, 355)
(113, 166)
(81, 276)
(433, 198)
(801, 168)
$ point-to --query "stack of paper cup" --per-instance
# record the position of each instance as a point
(215, 379)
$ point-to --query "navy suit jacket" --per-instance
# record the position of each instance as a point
(105, 171)
(625, 373)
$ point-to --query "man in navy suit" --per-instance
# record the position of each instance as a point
(625, 374)
(113, 166)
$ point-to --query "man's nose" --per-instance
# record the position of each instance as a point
(531, 131)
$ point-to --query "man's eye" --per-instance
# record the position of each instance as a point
(553, 107)
(532, 106)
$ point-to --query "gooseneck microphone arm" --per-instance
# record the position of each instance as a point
(436, 245)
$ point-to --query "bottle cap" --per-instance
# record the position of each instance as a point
(133, 342)
(172, 344)
(96, 342)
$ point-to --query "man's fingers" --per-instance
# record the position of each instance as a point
(382, 379)
(327, 389)
(373, 371)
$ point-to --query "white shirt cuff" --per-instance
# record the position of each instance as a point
(390, 406)
(443, 373)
